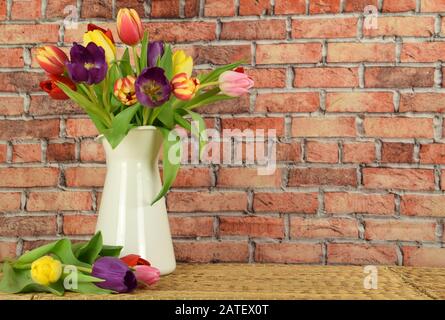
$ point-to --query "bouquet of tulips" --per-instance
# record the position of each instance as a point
(84, 267)
(156, 88)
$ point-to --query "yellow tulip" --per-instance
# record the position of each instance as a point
(46, 270)
(99, 38)
(182, 63)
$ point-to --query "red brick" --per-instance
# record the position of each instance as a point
(288, 53)
(85, 177)
(80, 128)
(399, 230)
(27, 226)
(307, 177)
(20, 81)
(217, 8)
(417, 26)
(254, 124)
(290, 152)
(409, 179)
(29, 177)
(219, 54)
(257, 7)
(61, 152)
(164, 8)
(228, 251)
(91, 151)
(398, 127)
(395, 152)
(11, 106)
(55, 8)
(285, 202)
(206, 201)
(359, 5)
(326, 77)
(3, 152)
(361, 254)
(359, 152)
(44, 105)
(423, 257)
(7, 249)
(423, 52)
(9, 201)
(398, 77)
(247, 178)
(323, 127)
(302, 228)
(349, 202)
(186, 31)
(324, 6)
(252, 226)
(253, 30)
(432, 6)
(290, 6)
(361, 52)
(359, 102)
(29, 129)
(26, 10)
(442, 180)
(26, 33)
(240, 105)
(193, 178)
(422, 102)
(191, 226)
(325, 28)
(27, 152)
(79, 224)
(3, 10)
(97, 9)
(11, 58)
(423, 205)
(399, 6)
(322, 152)
(287, 102)
(268, 78)
(191, 8)
(288, 252)
(59, 201)
(432, 153)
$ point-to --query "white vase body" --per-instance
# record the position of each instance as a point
(126, 217)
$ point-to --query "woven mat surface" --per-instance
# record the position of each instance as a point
(262, 281)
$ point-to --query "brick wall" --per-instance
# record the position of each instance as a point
(360, 177)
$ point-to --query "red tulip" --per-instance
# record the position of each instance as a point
(108, 33)
(135, 260)
(129, 27)
(51, 59)
(50, 87)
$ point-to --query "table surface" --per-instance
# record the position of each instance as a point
(271, 281)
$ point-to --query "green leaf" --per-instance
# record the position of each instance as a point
(203, 96)
(167, 115)
(81, 277)
(144, 52)
(214, 75)
(166, 62)
(121, 125)
(90, 288)
(182, 122)
(110, 251)
(218, 97)
(170, 169)
(89, 252)
(125, 64)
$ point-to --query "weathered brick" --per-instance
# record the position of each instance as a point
(322, 152)
(26, 33)
(285, 202)
(137, 5)
(422, 102)
(92, 151)
(325, 28)
(20, 81)
(44, 105)
(398, 77)
(29, 152)
(59, 201)
(418, 26)
(423, 257)
(287, 102)
(7, 249)
(97, 9)
(398, 127)
(432, 153)
(85, 177)
(193, 178)
(399, 6)
(80, 128)
(29, 129)
(288, 252)
(359, 5)
(252, 226)
(388, 178)
(395, 152)
(191, 226)
(164, 8)
(206, 201)
(56, 8)
(288, 53)
(220, 54)
(29, 177)
(11, 58)
(361, 52)
(226, 251)
(247, 178)
(432, 6)
(290, 6)
(326, 77)
(359, 152)
(191, 8)
(399, 230)
(257, 7)
(3, 152)
(26, 10)
(27, 226)
(268, 78)
(11, 106)
(253, 30)
(217, 8)
(323, 127)
(361, 254)
(186, 31)
(301, 228)
(79, 224)
(9, 201)
(423, 205)
(307, 177)
(61, 152)
(350, 202)
(423, 52)
(359, 102)
(324, 6)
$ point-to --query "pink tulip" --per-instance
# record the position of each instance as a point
(129, 26)
(146, 274)
(235, 83)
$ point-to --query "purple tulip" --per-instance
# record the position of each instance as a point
(155, 50)
(117, 275)
(87, 64)
(152, 87)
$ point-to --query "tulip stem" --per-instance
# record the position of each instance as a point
(145, 115)
(154, 115)
(136, 60)
(204, 85)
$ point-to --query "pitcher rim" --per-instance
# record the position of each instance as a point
(99, 137)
